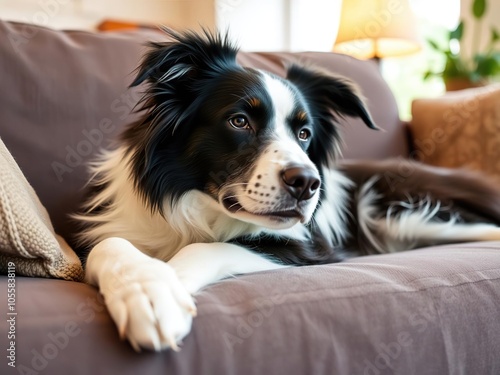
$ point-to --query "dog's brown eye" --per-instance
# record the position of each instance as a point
(304, 135)
(239, 122)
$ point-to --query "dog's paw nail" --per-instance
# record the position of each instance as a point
(135, 346)
(173, 345)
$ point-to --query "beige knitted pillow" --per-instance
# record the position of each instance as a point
(27, 238)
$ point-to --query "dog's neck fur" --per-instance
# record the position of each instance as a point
(198, 218)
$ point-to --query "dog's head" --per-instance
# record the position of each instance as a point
(253, 142)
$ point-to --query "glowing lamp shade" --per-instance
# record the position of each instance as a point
(377, 29)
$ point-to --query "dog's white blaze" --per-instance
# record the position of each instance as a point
(286, 142)
(283, 100)
(264, 186)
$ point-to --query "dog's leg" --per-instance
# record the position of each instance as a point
(412, 231)
(445, 232)
(151, 306)
(200, 264)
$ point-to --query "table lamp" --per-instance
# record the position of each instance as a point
(377, 29)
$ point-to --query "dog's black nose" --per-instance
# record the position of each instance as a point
(300, 182)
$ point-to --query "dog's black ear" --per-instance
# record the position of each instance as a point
(327, 92)
(188, 55)
(176, 75)
(176, 72)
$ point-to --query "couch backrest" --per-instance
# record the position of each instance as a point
(64, 96)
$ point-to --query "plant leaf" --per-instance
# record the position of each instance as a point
(486, 66)
(454, 67)
(494, 35)
(478, 8)
(475, 77)
(434, 45)
(428, 74)
(458, 32)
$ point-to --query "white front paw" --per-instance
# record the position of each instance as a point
(148, 303)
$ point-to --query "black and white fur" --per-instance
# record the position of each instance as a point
(234, 170)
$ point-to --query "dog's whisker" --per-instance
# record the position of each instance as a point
(236, 184)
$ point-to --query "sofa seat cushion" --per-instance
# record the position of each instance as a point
(429, 311)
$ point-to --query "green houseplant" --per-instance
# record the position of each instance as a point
(460, 72)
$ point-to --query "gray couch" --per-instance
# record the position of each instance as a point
(428, 311)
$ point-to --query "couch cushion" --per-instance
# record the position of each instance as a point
(64, 96)
(430, 311)
(461, 129)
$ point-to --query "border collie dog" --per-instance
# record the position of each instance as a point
(234, 170)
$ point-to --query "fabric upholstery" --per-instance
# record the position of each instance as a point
(430, 311)
(461, 129)
(65, 98)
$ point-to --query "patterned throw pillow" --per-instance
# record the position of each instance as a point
(461, 129)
